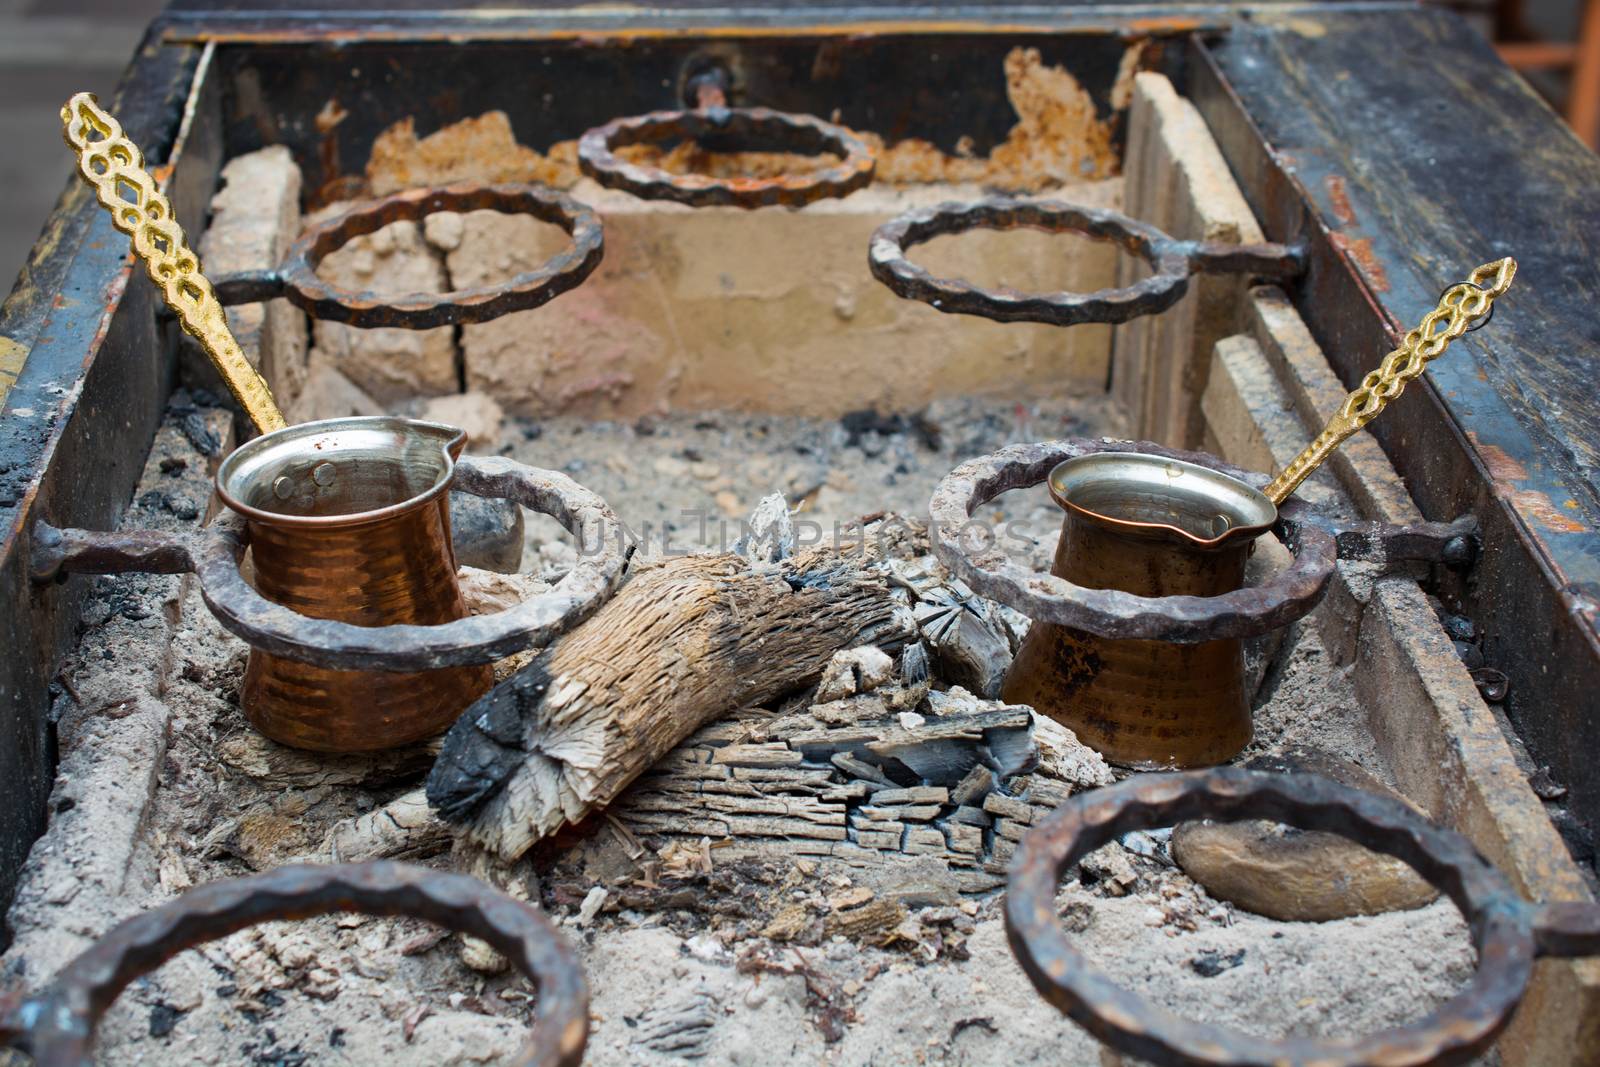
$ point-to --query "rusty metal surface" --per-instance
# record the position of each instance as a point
(296, 278)
(764, 127)
(1172, 262)
(57, 1026)
(1503, 925)
(214, 556)
(56, 553)
(1454, 544)
(1316, 539)
(1567, 929)
(959, 544)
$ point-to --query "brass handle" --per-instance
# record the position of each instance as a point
(114, 167)
(1461, 305)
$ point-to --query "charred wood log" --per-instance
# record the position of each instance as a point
(683, 643)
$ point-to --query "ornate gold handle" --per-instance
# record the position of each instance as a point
(114, 166)
(1461, 305)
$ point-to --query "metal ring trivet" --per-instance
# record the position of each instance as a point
(214, 556)
(1246, 612)
(57, 1026)
(1172, 261)
(1507, 932)
(771, 129)
(296, 278)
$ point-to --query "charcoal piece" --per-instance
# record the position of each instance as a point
(486, 743)
(1210, 962)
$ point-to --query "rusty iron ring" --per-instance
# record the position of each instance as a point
(57, 1026)
(1507, 932)
(799, 133)
(214, 555)
(296, 278)
(283, 631)
(1112, 613)
(1172, 262)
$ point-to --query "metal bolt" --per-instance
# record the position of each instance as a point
(1459, 551)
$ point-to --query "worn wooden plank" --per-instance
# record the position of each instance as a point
(1448, 753)
(1408, 198)
(1174, 177)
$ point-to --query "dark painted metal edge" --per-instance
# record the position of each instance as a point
(727, 20)
(65, 430)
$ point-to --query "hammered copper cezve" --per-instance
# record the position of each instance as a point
(349, 520)
(1154, 527)
(1161, 527)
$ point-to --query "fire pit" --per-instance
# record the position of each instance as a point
(813, 873)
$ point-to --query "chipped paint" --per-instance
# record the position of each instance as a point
(1538, 506)
(13, 354)
(1299, 25)
(1339, 199)
(1502, 467)
(1366, 259)
(1531, 503)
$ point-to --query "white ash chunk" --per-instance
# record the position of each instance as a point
(769, 532)
(1062, 756)
(916, 575)
(593, 901)
(956, 701)
(864, 706)
(486, 592)
(855, 670)
(404, 828)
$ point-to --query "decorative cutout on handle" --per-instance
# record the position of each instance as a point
(114, 167)
(1459, 307)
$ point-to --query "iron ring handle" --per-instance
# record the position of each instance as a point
(214, 556)
(1503, 925)
(57, 1026)
(537, 621)
(801, 133)
(1111, 613)
(296, 278)
(1171, 261)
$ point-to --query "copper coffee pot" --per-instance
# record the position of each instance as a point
(1159, 527)
(348, 518)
